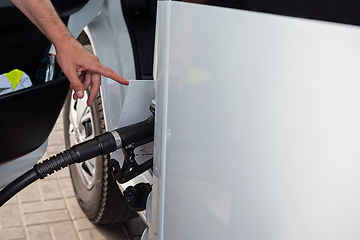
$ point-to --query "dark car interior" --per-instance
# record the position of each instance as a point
(28, 115)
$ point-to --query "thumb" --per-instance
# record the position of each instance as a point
(75, 83)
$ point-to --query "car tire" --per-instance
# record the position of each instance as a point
(101, 200)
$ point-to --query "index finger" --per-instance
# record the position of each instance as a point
(109, 73)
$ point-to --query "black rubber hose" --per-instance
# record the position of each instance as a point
(100, 145)
(17, 185)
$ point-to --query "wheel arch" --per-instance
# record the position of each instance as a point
(111, 43)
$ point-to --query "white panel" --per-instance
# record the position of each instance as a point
(12, 170)
(136, 109)
(262, 126)
(161, 63)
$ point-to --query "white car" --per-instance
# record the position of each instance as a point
(257, 114)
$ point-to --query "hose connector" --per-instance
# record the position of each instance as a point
(99, 145)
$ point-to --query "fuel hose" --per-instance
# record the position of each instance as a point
(99, 145)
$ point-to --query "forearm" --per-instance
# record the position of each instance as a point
(45, 17)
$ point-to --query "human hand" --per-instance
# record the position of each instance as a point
(73, 58)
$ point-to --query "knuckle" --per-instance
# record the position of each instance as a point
(95, 58)
(76, 85)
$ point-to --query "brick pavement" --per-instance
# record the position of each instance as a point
(47, 209)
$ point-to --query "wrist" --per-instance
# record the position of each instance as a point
(64, 41)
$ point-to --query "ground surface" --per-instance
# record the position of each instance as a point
(47, 209)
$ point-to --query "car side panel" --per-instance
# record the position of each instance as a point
(257, 132)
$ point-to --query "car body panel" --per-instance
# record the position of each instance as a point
(161, 83)
(11, 170)
(257, 126)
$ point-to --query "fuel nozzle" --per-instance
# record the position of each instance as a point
(100, 145)
(134, 133)
(143, 134)
(139, 133)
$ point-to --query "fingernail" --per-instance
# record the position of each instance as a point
(79, 94)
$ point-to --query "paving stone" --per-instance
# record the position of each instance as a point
(51, 177)
(83, 224)
(60, 132)
(38, 232)
(65, 182)
(30, 193)
(46, 217)
(10, 216)
(101, 232)
(49, 205)
(50, 189)
(55, 149)
(63, 173)
(60, 118)
(63, 230)
(68, 192)
(55, 139)
(12, 233)
(74, 208)
(61, 136)
(59, 126)
(104, 233)
(92, 235)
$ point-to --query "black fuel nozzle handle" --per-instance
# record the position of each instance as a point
(135, 132)
(100, 145)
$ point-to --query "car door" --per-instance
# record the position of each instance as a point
(257, 118)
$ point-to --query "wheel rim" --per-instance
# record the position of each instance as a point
(81, 128)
